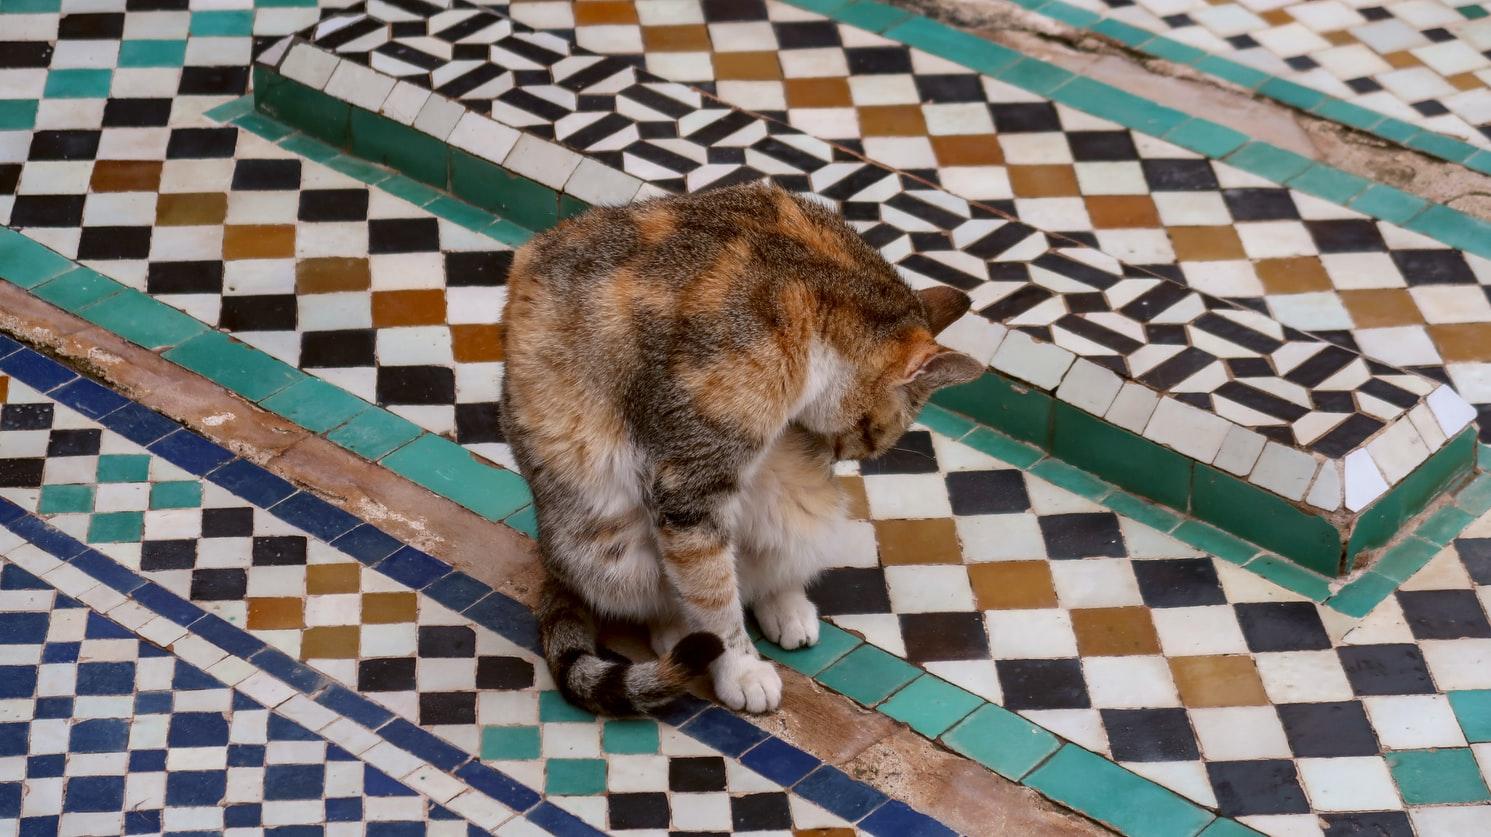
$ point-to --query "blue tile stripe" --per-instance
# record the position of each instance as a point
(731, 735)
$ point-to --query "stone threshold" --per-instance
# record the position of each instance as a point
(1342, 484)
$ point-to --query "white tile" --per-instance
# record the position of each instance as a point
(272, 56)
(1133, 407)
(1397, 450)
(1000, 537)
(1458, 663)
(1187, 631)
(1189, 430)
(1303, 676)
(1326, 491)
(906, 496)
(359, 85)
(1030, 634)
(404, 103)
(1451, 820)
(1349, 784)
(1129, 682)
(486, 138)
(1451, 410)
(1083, 727)
(1187, 778)
(1412, 722)
(1240, 733)
(1037, 362)
(974, 336)
(309, 66)
(600, 185)
(548, 163)
(438, 117)
(1095, 582)
(1090, 387)
(1284, 471)
(1239, 451)
(929, 589)
(1364, 483)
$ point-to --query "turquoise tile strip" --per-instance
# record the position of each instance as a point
(1450, 226)
(1266, 85)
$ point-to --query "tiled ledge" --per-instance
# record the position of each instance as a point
(1265, 431)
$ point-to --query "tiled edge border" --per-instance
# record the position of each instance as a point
(796, 769)
(1292, 94)
(1213, 140)
(500, 168)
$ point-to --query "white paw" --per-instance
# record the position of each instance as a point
(789, 619)
(744, 682)
(664, 636)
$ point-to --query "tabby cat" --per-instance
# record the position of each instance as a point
(681, 375)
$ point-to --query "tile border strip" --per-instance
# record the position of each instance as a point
(1202, 136)
(735, 737)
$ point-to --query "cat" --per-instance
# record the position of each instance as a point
(681, 374)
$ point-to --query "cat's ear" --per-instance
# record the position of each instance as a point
(944, 305)
(942, 367)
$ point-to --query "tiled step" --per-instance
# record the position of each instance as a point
(1271, 433)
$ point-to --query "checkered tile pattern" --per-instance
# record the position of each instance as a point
(105, 733)
(1177, 664)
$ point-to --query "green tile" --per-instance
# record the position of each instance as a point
(415, 153)
(315, 405)
(353, 167)
(1212, 540)
(1035, 76)
(1395, 129)
(1480, 162)
(1125, 33)
(116, 527)
(1438, 777)
(61, 499)
(953, 44)
(554, 709)
(1472, 12)
(571, 206)
(1294, 95)
(1266, 519)
(1120, 106)
(260, 125)
(1291, 576)
(1392, 205)
(930, 705)
(460, 212)
(163, 53)
(1069, 14)
(823, 7)
(1483, 457)
(868, 674)
(1330, 183)
(1442, 146)
(1171, 50)
(1002, 447)
(1347, 113)
(1270, 161)
(123, 467)
(182, 494)
(374, 433)
(231, 110)
(409, 189)
(17, 114)
(1115, 796)
(238, 23)
(1206, 137)
(1476, 497)
(1444, 525)
(294, 104)
(1239, 74)
(510, 743)
(1362, 595)
(1141, 510)
(25, 263)
(1223, 827)
(21, 7)
(492, 187)
(237, 366)
(833, 643)
(1407, 557)
(1003, 405)
(143, 320)
(508, 233)
(451, 471)
(1120, 457)
(868, 14)
(78, 84)
(309, 148)
(524, 520)
(946, 422)
(1071, 478)
(575, 777)
(1380, 522)
(1454, 228)
(1473, 711)
(77, 289)
(630, 737)
(1001, 741)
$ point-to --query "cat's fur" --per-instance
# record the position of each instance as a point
(681, 375)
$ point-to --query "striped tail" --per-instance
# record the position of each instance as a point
(602, 681)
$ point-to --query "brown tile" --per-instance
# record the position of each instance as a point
(692, 37)
(747, 66)
(1462, 341)
(1465, 81)
(125, 176)
(1277, 17)
(1223, 680)
(1206, 244)
(1012, 585)
(187, 209)
(1378, 307)
(891, 121)
(389, 608)
(408, 308)
(274, 613)
(918, 542)
(1297, 275)
(333, 578)
(1402, 60)
(476, 343)
(330, 642)
(602, 12)
(1049, 181)
(4, 388)
(968, 150)
(1118, 211)
(331, 274)
(818, 93)
(259, 241)
(1114, 631)
(858, 503)
(1340, 37)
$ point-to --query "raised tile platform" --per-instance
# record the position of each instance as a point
(1288, 440)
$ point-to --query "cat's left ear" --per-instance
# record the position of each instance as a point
(944, 305)
(942, 367)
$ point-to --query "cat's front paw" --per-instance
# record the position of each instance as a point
(745, 682)
(788, 619)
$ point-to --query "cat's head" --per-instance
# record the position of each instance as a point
(896, 381)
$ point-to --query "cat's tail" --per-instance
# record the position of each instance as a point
(605, 682)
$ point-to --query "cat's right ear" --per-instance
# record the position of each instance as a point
(944, 305)
(944, 368)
